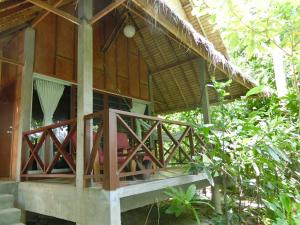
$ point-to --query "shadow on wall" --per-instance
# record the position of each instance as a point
(132, 217)
(38, 219)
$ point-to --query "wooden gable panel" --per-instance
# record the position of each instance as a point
(123, 86)
(144, 92)
(122, 56)
(111, 69)
(45, 46)
(64, 69)
(132, 48)
(9, 71)
(98, 42)
(134, 83)
(98, 79)
(143, 71)
(65, 38)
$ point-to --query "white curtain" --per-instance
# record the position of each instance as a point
(49, 95)
(138, 107)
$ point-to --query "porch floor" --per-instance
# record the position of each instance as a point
(161, 175)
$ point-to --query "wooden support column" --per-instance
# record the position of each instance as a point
(151, 105)
(85, 82)
(1, 53)
(111, 179)
(216, 196)
(204, 93)
(26, 94)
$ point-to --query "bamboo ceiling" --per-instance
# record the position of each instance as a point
(174, 68)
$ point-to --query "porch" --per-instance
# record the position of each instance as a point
(120, 149)
(96, 164)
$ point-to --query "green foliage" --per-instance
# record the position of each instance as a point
(255, 142)
(184, 201)
(252, 30)
(285, 210)
(256, 90)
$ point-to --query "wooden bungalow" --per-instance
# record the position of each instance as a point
(81, 82)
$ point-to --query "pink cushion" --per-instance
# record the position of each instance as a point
(123, 143)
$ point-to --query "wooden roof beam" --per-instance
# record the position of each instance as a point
(150, 56)
(106, 10)
(187, 40)
(181, 69)
(11, 31)
(10, 5)
(55, 11)
(174, 65)
(115, 33)
(10, 61)
(172, 74)
(43, 15)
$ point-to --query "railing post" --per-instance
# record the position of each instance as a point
(111, 178)
(191, 140)
(160, 144)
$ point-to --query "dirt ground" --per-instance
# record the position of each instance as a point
(139, 217)
(133, 217)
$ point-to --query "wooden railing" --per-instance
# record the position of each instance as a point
(43, 148)
(149, 144)
(161, 142)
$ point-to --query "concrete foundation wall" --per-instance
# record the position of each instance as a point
(95, 206)
(56, 200)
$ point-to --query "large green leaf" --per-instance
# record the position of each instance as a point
(255, 90)
(190, 193)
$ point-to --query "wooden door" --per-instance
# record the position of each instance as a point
(7, 101)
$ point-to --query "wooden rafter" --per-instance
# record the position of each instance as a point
(10, 61)
(173, 65)
(171, 73)
(180, 67)
(56, 11)
(187, 40)
(115, 33)
(106, 10)
(43, 15)
(150, 56)
(13, 30)
(10, 5)
(20, 15)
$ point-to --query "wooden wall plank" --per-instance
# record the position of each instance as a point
(120, 70)
(122, 60)
(123, 85)
(134, 82)
(64, 68)
(98, 79)
(65, 38)
(111, 69)
(143, 71)
(45, 46)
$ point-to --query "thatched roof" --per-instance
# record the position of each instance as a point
(172, 47)
(178, 88)
(203, 25)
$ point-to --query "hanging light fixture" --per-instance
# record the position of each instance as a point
(129, 31)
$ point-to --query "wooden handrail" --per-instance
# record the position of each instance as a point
(52, 126)
(181, 151)
(139, 116)
(34, 146)
(178, 150)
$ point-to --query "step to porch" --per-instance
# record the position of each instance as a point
(6, 201)
(8, 214)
